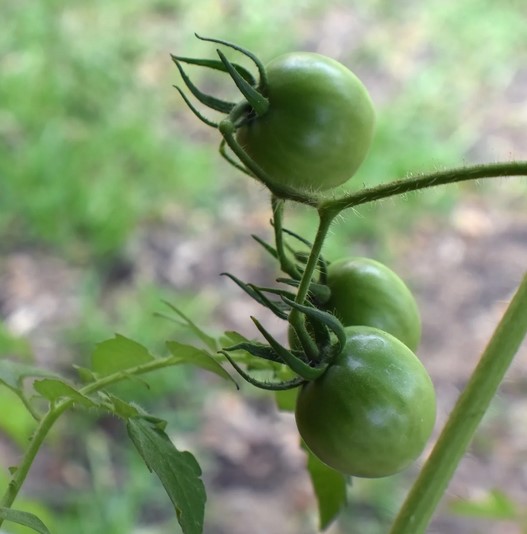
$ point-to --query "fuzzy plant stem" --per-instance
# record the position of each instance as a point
(470, 408)
(55, 411)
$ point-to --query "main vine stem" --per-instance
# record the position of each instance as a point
(470, 408)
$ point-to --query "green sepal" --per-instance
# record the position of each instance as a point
(194, 110)
(262, 84)
(296, 365)
(258, 102)
(207, 100)
(275, 306)
(323, 317)
(232, 161)
(264, 384)
(215, 65)
(256, 349)
(266, 246)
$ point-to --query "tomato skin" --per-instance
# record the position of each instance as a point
(372, 412)
(319, 125)
(366, 292)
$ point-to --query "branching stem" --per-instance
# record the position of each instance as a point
(399, 187)
(57, 409)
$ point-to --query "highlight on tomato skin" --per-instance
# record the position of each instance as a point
(319, 125)
(366, 292)
(372, 412)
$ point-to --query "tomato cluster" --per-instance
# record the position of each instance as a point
(372, 411)
(366, 405)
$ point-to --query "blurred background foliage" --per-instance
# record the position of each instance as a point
(113, 196)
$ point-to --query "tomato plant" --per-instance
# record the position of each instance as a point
(373, 410)
(365, 405)
(318, 127)
(366, 292)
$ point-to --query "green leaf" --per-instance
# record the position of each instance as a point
(118, 354)
(119, 407)
(54, 389)
(207, 340)
(24, 518)
(330, 489)
(179, 472)
(198, 357)
(495, 505)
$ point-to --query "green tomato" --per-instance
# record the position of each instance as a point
(319, 125)
(365, 292)
(372, 412)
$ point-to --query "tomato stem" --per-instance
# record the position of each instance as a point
(400, 187)
(296, 317)
(470, 408)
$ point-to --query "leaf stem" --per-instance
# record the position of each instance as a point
(399, 187)
(470, 408)
(57, 409)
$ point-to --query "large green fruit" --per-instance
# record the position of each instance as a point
(319, 125)
(372, 412)
(366, 292)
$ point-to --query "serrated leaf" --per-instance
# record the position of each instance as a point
(198, 357)
(118, 354)
(495, 505)
(178, 471)
(54, 389)
(207, 340)
(330, 489)
(24, 518)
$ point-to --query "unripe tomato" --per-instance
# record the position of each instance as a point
(319, 125)
(366, 292)
(372, 412)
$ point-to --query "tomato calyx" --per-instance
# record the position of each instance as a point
(319, 335)
(255, 103)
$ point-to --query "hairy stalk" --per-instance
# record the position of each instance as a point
(56, 410)
(399, 187)
(325, 219)
(470, 408)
